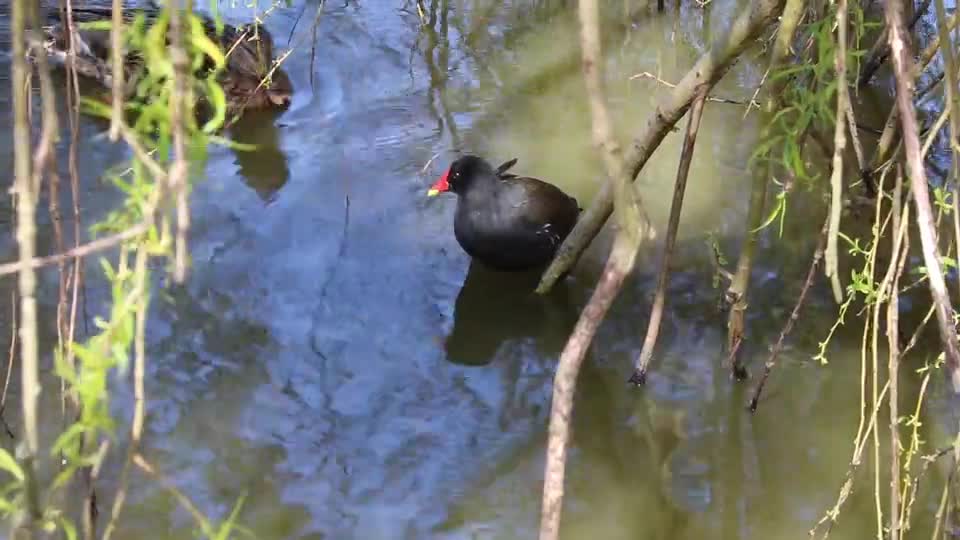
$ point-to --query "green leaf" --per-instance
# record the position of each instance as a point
(68, 528)
(218, 100)
(10, 465)
(204, 44)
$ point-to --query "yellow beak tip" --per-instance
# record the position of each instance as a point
(432, 193)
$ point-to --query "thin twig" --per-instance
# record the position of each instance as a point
(648, 75)
(11, 355)
(139, 392)
(794, 316)
(83, 250)
(656, 312)
(184, 501)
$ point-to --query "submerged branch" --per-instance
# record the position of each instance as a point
(794, 316)
(564, 386)
(656, 312)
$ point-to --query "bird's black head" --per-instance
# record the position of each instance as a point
(462, 174)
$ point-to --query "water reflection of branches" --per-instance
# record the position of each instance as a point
(438, 69)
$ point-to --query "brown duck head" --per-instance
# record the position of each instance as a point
(250, 80)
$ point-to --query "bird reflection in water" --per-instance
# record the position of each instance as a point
(494, 308)
(264, 168)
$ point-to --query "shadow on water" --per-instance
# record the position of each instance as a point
(265, 168)
(495, 307)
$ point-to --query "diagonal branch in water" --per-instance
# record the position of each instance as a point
(708, 69)
(794, 317)
(737, 292)
(656, 312)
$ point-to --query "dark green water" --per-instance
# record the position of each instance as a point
(335, 358)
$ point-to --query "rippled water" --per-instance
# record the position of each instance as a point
(336, 358)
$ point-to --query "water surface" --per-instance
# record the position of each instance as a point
(336, 358)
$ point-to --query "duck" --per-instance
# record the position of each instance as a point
(249, 80)
(505, 221)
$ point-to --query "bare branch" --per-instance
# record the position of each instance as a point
(116, 53)
(656, 312)
(707, 71)
(794, 316)
(839, 145)
(903, 68)
(26, 192)
(82, 250)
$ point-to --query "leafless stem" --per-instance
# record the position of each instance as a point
(839, 145)
(83, 250)
(73, 106)
(184, 501)
(950, 101)
(139, 393)
(903, 67)
(656, 312)
(892, 281)
(713, 99)
(26, 191)
(116, 54)
(794, 317)
(11, 355)
(619, 264)
(178, 114)
(564, 386)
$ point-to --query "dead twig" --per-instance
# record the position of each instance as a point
(184, 501)
(83, 250)
(656, 312)
(648, 75)
(794, 317)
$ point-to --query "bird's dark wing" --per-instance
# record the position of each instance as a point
(501, 171)
(536, 204)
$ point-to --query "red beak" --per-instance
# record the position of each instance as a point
(440, 185)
